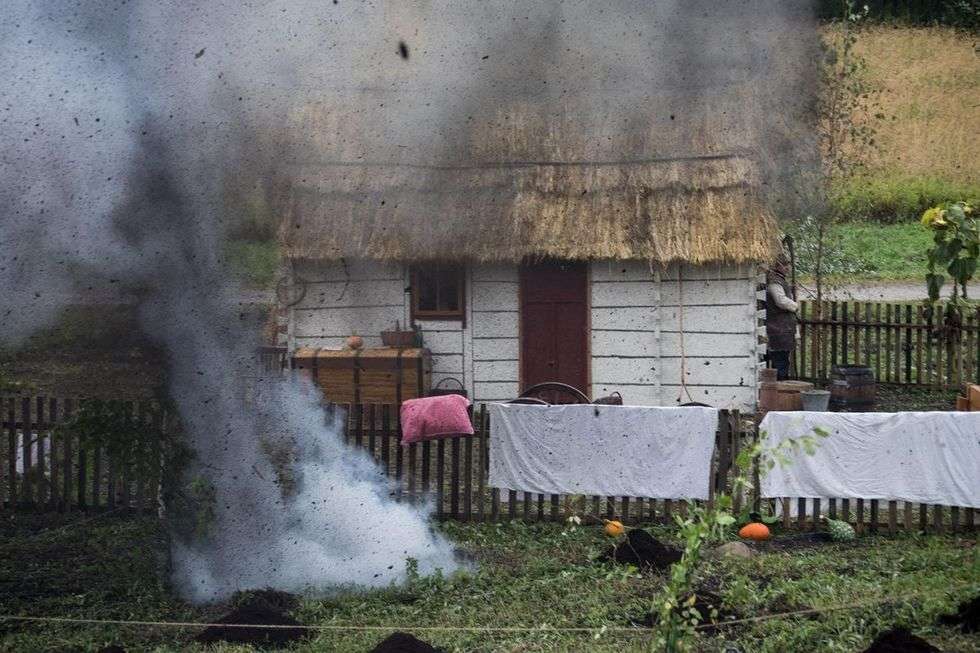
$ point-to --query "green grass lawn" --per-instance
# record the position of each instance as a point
(539, 576)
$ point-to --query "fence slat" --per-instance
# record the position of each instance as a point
(468, 479)
(12, 497)
(27, 429)
(483, 468)
(54, 462)
(440, 477)
(67, 413)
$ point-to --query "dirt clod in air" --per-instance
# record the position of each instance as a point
(399, 642)
(967, 616)
(641, 549)
(260, 608)
(900, 640)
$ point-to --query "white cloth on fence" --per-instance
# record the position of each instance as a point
(631, 451)
(919, 457)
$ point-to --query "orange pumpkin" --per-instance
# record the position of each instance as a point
(614, 528)
(355, 342)
(754, 531)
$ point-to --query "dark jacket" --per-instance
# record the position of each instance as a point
(780, 323)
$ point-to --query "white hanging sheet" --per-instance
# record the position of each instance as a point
(632, 451)
(919, 457)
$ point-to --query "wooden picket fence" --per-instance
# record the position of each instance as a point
(449, 474)
(44, 468)
(902, 343)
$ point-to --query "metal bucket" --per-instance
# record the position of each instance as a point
(815, 400)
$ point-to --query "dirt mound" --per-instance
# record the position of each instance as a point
(643, 550)
(708, 606)
(900, 640)
(399, 642)
(258, 613)
(967, 616)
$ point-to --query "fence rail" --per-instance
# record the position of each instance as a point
(903, 343)
(45, 469)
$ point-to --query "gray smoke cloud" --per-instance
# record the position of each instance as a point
(128, 129)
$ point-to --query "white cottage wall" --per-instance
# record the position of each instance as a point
(635, 317)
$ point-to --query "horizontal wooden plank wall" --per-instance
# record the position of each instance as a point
(902, 343)
(43, 469)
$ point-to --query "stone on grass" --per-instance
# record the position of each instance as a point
(735, 549)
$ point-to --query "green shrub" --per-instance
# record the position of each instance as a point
(256, 262)
(894, 199)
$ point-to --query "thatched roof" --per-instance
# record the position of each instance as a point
(527, 186)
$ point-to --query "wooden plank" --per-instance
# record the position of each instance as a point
(143, 456)
(899, 357)
(412, 464)
(919, 319)
(373, 432)
(483, 468)
(511, 504)
(527, 506)
(908, 344)
(816, 514)
(845, 510)
(930, 376)
(937, 519)
(40, 465)
(54, 460)
(27, 426)
(968, 518)
(874, 515)
(888, 344)
(907, 516)
(126, 463)
(954, 518)
(787, 517)
(440, 477)
(859, 525)
(801, 514)
(892, 517)
(454, 483)
(923, 517)
(96, 476)
(399, 452)
(818, 338)
(858, 354)
(833, 338)
(468, 478)
(868, 348)
(13, 499)
(68, 410)
(832, 508)
(878, 352)
(799, 356)
(386, 439)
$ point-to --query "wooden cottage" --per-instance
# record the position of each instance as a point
(528, 256)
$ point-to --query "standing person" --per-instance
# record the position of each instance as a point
(780, 317)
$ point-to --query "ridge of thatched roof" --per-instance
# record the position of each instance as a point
(517, 199)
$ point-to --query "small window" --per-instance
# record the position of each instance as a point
(437, 293)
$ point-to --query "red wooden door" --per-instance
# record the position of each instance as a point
(555, 324)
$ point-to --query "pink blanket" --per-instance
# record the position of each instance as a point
(431, 418)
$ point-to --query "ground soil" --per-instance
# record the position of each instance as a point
(399, 642)
(256, 612)
(900, 640)
(641, 549)
(967, 616)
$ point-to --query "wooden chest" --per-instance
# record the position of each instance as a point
(368, 376)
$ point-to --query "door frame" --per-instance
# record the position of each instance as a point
(588, 328)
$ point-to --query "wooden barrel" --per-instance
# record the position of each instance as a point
(852, 388)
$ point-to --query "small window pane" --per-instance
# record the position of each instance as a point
(428, 290)
(449, 291)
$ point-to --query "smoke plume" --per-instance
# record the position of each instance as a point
(128, 130)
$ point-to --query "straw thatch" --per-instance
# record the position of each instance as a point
(527, 189)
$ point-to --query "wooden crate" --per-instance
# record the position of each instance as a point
(385, 375)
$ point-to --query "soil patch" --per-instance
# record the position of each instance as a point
(399, 642)
(641, 549)
(708, 606)
(259, 613)
(900, 640)
(967, 616)
(794, 542)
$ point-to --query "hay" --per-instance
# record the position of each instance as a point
(520, 188)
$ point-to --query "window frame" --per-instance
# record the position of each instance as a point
(448, 316)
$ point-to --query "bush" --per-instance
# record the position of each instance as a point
(894, 199)
(963, 14)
